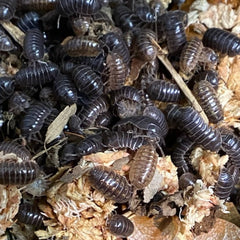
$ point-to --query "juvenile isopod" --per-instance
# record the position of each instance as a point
(120, 226)
(33, 44)
(190, 55)
(207, 98)
(143, 166)
(30, 215)
(187, 179)
(222, 41)
(112, 185)
(18, 173)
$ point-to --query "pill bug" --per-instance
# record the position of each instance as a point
(81, 7)
(143, 166)
(142, 125)
(7, 9)
(207, 98)
(172, 25)
(224, 185)
(116, 71)
(145, 48)
(65, 89)
(222, 41)
(117, 140)
(6, 43)
(187, 179)
(18, 102)
(30, 215)
(7, 87)
(37, 75)
(16, 148)
(47, 96)
(82, 46)
(18, 173)
(231, 145)
(40, 6)
(163, 91)
(34, 119)
(178, 156)
(90, 144)
(208, 75)
(120, 226)
(115, 43)
(33, 44)
(189, 121)
(28, 21)
(190, 55)
(112, 185)
(87, 81)
(89, 113)
(104, 119)
(157, 114)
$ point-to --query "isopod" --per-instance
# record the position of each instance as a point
(231, 145)
(65, 89)
(189, 121)
(222, 41)
(7, 87)
(6, 43)
(207, 98)
(47, 96)
(30, 215)
(28, 21)
(18, 173)
(37, 75)
(163, 91)
(120, 226)
(224, 185)
(187, 179)
(33, 44)
(7, 9)
(14, 147)
(34, 118)
(112, 185)
(117, 140)
(87, 81)
(190, 55)
(143, 166)
(37, 5)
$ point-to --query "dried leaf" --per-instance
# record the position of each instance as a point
(56, 127)
(106, 158)
(221, 230)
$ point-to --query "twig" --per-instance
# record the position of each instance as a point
(14, 31)
(182, 85)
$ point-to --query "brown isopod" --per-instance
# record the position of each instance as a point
(120, 226)
(18, 173)
(82, 46)
(112, 185)
(116, 71)
(143, 167)
(190, 55)
(207, 98)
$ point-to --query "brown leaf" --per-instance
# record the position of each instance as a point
(220, 231)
